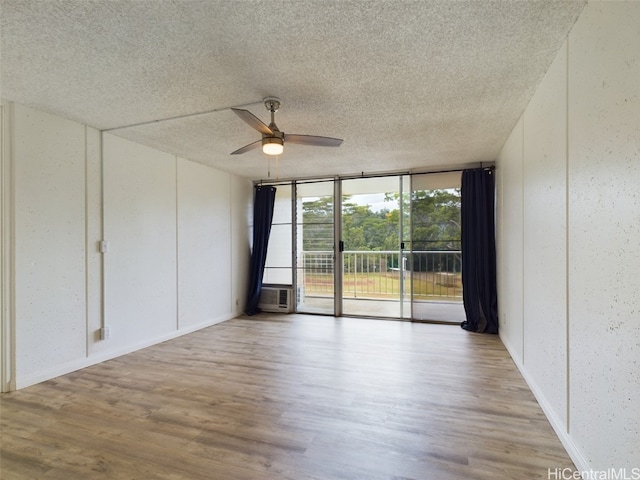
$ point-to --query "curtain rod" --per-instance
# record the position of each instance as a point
(483, 165)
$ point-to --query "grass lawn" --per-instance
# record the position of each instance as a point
(425, 285)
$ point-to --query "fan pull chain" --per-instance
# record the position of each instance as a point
(277, 157)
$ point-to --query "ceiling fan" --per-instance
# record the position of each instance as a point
(273, 139)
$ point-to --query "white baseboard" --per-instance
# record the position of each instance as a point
(59, 370)
(574, 452)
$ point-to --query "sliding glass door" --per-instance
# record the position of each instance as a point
(374, 280)
(315, 255)
(436, 257)
(378, 247)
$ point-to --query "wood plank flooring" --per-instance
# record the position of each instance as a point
(287, 397)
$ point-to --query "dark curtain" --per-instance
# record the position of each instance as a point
(479, 289)
(263, 202)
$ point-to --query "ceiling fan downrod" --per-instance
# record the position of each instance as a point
(272, 104)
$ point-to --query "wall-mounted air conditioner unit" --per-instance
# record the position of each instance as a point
(276, 298)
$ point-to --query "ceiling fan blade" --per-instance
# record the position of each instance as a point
(253, 121)
(246, 148)
(313, 140)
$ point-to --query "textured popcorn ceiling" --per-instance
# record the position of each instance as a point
(407, 84)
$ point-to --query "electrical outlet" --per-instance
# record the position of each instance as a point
(105, 332)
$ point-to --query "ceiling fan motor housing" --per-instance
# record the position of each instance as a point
(275, 139)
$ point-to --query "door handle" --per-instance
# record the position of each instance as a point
(341, 246)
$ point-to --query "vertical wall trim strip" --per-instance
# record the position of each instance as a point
(7, 253)
(103, 273)
(522, 212)
(5, 356)
(87, 246)
(13, 327)
(5, 261)
(233, 292)
(567, 244)
(177, 203)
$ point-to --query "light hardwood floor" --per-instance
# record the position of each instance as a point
(287, 397)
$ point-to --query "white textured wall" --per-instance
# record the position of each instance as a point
(6, 373)
(544, 267)
(604, 233)
(94, 234)
(241, 222)
(578, 239)
(204, 244)
(140, 225)
(50, 303)
(509, 241)
(165, 219)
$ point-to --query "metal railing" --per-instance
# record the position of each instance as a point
(427, 274)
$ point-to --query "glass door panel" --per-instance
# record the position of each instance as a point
(315, 257)
(436, 258)
(405, 246)
(373, 263)
(278, 264)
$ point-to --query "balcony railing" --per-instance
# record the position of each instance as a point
(429, 275)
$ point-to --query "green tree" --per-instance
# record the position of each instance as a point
(435, 222)
(317, 218)
(363, 229)
(436, 219)
(435, 227)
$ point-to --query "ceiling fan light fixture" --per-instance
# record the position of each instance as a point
(272, 138)
(272, 146)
